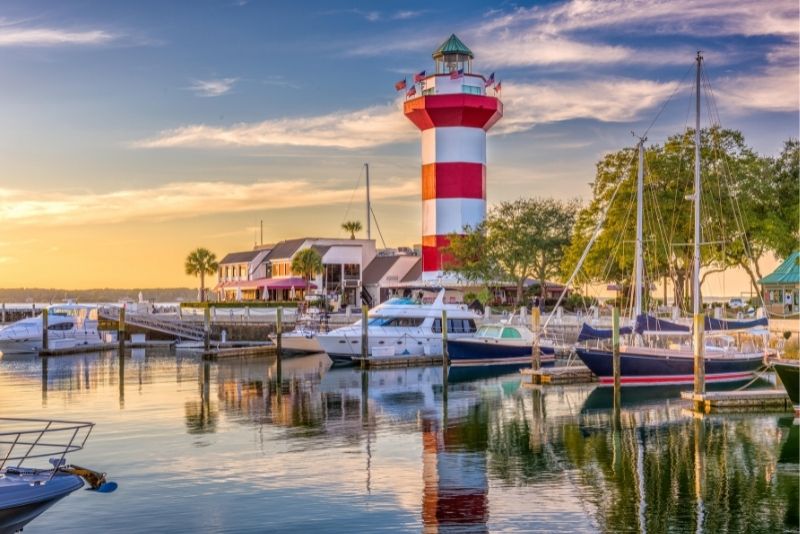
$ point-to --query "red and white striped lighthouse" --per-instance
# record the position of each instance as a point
(453, 111)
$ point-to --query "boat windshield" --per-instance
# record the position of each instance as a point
(401, 301)
(488, 331)
(396, 321)
(511, 333)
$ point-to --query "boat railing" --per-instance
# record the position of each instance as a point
(40, 438)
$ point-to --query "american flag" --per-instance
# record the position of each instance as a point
(489, 81)
(412, 91)
(498, 86)
(399, 86)
(418, 77)
(456, 74)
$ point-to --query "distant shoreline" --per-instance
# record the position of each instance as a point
(158, 294)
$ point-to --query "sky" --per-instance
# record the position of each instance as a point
(134, 132)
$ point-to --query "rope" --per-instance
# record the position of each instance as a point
(352, 196)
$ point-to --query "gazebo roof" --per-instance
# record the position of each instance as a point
(787, 273)
(452, 45)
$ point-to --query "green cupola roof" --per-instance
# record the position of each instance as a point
(453, 45)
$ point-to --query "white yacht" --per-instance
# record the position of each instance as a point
(68, 325)
(401, 327)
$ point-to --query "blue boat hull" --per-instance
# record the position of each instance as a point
(465, 352)
(645, 369)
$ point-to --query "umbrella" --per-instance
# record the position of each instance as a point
(292, 293)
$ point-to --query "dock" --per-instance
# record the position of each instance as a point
(573, 374)
(749, 400)
(264, 349)
(102, 347)
(398, 361)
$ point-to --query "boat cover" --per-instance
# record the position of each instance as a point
(587, 332)
(722, 324)
(648, 323)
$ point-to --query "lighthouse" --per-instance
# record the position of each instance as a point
(453, 112)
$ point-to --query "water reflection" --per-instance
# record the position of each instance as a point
(470, 452)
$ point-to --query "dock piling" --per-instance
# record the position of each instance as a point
(44, 329)
(279, 344)
(206, 327)
(445, 357)
(615, 347)
(699, 360)
(121, 329)
(4, 313)
(364, 335)
(536, 318)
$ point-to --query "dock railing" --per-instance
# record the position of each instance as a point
(40, 438)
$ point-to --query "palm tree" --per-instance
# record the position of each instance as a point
(307, 263)
(201, 262)
(352, 227)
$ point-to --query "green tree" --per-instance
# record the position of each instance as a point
(737, 217)
(201, 262)
(307, 263)
(352, 227)
(517, 241)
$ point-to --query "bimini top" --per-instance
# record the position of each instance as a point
(453, 45)
(787, 272)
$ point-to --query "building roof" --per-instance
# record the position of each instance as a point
(286, 249)
(240, 257)
(377, 269)
(321, 249)
(415, 273)
(787, 273)
(452, 45)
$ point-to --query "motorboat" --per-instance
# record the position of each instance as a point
(27, 491)
(303, 339)
(68, 325)
(401, 327)
(499, 344)
(789, 373)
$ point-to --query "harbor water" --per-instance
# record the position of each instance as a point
(230, 446)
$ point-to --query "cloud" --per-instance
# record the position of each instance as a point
(211, 88)
(774, 88)
(182, 200)
(371, 126)
(609, 100)
(15, 36)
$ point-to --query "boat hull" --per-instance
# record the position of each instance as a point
(651, 369)
(298, 343)
(25, 497)
(789, 373)
(478, 352)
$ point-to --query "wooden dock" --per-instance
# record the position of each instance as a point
(265, 349)
(573, 374)
(398, 361)
(748, 400)
(101, 347)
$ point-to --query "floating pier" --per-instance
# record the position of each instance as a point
(101, 347)
(573, 374)
(266, 349)
(749, 400)
(397, 361)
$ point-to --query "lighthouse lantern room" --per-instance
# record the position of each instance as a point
(453, 112)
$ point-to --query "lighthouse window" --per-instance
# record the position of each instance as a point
(471, 89)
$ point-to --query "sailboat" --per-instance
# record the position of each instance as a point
(674, 364)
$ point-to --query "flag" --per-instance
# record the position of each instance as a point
(498, 86)
(399, 86)
(418, 77)
(489, 81)
(412, 91)
(456, 74)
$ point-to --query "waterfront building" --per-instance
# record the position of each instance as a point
(781, 288)
(266, 274)
(453, 111)
(384, 272)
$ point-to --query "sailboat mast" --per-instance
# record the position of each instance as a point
(639, 277)
(696, 306)
(369, 207)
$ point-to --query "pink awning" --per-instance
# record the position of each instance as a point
(285, 283)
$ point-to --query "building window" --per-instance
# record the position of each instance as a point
(333, 275)
(352, 271)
